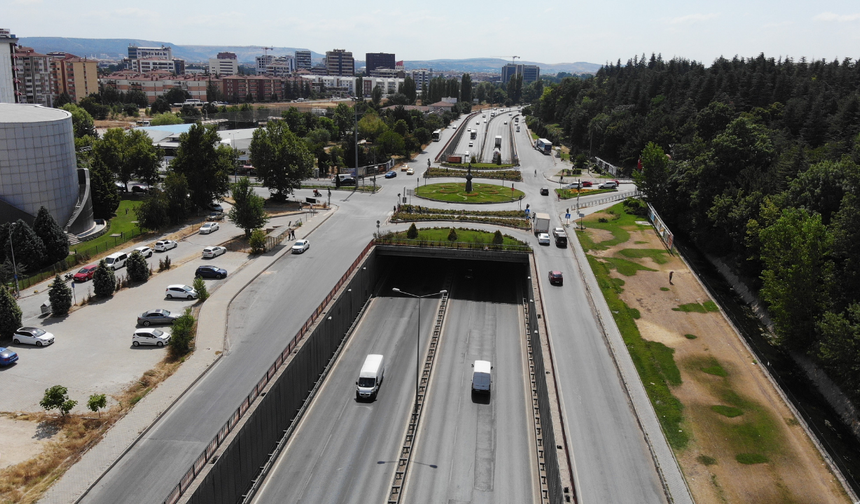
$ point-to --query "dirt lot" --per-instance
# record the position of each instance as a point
(731, 411)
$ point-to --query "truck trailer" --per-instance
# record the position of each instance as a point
(541, 223)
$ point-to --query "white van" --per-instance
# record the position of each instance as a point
(370, 377)
(116, 261)
(481, 376)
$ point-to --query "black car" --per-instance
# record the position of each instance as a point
(544, 191)
(210, 272)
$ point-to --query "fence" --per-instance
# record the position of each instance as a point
(667, 236)
(608, 199)
(453, 245)
(87, 249)
(607, 167)
(218, 488)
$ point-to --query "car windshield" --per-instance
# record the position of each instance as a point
(84, 270)
(157, 333)
(366, 382)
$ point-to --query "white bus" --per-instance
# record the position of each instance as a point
(437, 135)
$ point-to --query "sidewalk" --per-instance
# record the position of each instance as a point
(212, 326)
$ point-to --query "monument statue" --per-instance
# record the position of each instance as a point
(469, 179)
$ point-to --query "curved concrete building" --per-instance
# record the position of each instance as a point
(37, 165)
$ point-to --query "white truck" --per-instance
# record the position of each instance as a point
(498, 143)
(481, 377)
(541, 223)
(370, 377)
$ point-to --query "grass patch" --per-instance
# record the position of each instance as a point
(481, 193)
(727, 411)
(751, 458)
(654, 361)
(625, 267)
(656, 255)
(706, 460)
(708, 306)
(715, 370)
(711, 306)
(664, 289)
(690, 336)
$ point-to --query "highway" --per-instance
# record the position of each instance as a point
(351, 454)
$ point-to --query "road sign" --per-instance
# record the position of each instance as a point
(567, 216)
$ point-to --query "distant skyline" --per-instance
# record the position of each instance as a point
(549, 32)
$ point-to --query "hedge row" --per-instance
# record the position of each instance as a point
(513, 175)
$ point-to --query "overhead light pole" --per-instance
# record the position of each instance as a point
(14, 264)
(418, 338)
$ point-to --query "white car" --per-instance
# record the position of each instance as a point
(208, 227)
(180, 291)
(543, 238)
(210, 252)
(32, 336)
(410, 171)
(144, 251)
(165, 245)
(155, 337)
(300, 246)
(609, 184)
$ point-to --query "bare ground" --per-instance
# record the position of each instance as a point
(794, 471)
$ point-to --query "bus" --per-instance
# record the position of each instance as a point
(543, 145)
(437, 135)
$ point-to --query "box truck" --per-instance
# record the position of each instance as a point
(541, 223)
(370, 377)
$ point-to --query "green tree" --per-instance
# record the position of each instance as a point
(96, 403)
(653, 180)
(82, 122)
(159, 106)
(165, 118)
(796, 275)
(452, 235)
(60, 296)
(343, 118)
(466, 88)
(248, 210)
(104, 192)
(257, 241)
(175, 189)
(412, 232)
(498, 239)
(55, 240)
(205, 163)
(200, 286)
(154, 212)
(281, 158)
(104, 280)
(29, 249)
(176, 95)
(182, 335)
(57, 397)
(376, 96)
(138, 269)
(10, 313)
(409, 89)
(391, 143)
(128, 153)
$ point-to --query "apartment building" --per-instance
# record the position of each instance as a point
(260, 87)
(303, 60)
(77, 77)
(153, 59)
(277, 66)
(226, 63)
(8, 86)
(339, 62)
(34, 77)
(155, 84)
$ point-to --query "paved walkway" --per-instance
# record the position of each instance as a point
(212, 326)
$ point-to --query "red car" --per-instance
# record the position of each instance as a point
(86, 273)
(556, 278)
(586, 183)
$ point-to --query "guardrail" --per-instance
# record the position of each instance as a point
(230, 424)
(453, 245)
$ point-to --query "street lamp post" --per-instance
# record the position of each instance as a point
(14, 264)
(418, 338)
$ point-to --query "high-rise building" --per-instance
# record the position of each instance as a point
(378, 60)
(77, 77)
(8, 85)
(339, 62)
(151, 59)
(303, 60)
(530, 73)
(35, 80)
(421, 77)
(226, 63)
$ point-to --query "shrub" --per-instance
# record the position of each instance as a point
(183, 333)
(257, 241)
(57, 397)
(164, 264)
(96, 403)
(498, 239)
(104, 280)
(452, 235)
(138, 270)
(412, 233)
(60, 296)
(200, 286)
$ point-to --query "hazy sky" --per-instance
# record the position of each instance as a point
(549, 31)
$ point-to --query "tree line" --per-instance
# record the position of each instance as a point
(756, 160)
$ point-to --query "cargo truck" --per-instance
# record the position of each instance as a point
(541, 223)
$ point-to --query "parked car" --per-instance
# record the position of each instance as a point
(209, 227)
(180, 291)
(85, 273)
(155, 337)
(300, 246)
(609, 184)
(7, 356)
(556, 278)
(216, 207)
(543, 238)
(391, 174)
(214, 251)
(116, 261)
(215, 216)
(159, 316)
(165, 245)
(586, 183)
(410, 171)
(544, 191)
(32, 336)
(144, 251)
(572, 186)
(207, 271)
(139, 187)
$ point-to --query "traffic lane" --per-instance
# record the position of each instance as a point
(92, 351)
(612, 459)
(474, 448)
(262, 319)
(345, 450)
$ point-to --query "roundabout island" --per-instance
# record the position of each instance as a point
(455, 192)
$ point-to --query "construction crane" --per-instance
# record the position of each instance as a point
(266, 51)
(513, 59)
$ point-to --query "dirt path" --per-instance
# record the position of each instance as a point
(731, 410)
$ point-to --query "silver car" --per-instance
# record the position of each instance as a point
(154, 337)
(32, 336)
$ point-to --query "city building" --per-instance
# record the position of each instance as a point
(153, 59)
(34, 76)
(421, 77)
(530, 73)
(339, 62)
(378, 60)
(155, 84)
(8, 85)
(278, 66)
(226, 63)
(236, 88)
(37, 160)
(77, 77)
(303, 60)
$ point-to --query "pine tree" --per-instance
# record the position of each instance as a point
(138, 270)
(55, 240)
(29, 249)
(10, 313)
(104, 280)
(60, 296)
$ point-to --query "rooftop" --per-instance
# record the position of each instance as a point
(29, 113)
